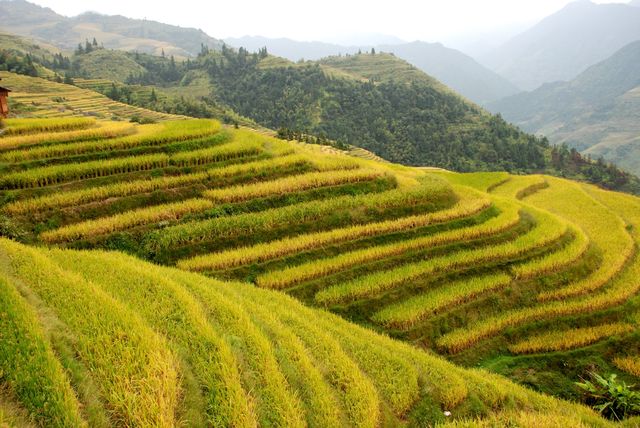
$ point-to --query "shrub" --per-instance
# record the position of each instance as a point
(611, 397)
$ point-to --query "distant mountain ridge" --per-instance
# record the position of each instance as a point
(598, 112)
(455, 69)
(566, 43)
(115, 32)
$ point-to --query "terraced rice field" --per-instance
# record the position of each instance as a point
(35, 97)
(476, 267)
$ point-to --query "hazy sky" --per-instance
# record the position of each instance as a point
(429, 20)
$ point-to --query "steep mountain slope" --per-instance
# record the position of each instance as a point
(475, 267)
(35, 97)
(564, 44)
(391, 108)
(160, 347)
(453, 68)
(117, 32)
(598, 112)
(456, 70)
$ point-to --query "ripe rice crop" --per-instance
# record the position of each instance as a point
(239, 225)
(32, 126)
(606, 230)
(484, 181)
(164, 347)
(624, 286)
(569, 339)
(406, 314)
(55, 174)
(317, 268)
(181, 317)
(520, 186)
(147, 135)
(291, 184)
(126, 220)
(29, 366)
(556, 260)
(217, 154)
(547, 230)
(129, 188)
(628, 364)
(107, 130)
(134, 371)
(468, 205)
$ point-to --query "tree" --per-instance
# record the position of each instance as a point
(94, 43)
(153, 97)
(373, 51)
(79, 49)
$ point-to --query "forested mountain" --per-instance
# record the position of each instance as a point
(375, 101)
(116, 32)
(385, 105)
(453, 68)
(598, 112)
(566, 43)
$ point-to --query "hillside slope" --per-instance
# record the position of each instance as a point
(35, 97)
(476, 267)
(387, 106)
(566, 43)
(171, 348)
(453, 68)
(598, 112)
(116, 32)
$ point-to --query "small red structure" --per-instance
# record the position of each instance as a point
(4, 104)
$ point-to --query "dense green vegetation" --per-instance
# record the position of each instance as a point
(395, 111)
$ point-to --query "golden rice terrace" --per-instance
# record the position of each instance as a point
(532, 277)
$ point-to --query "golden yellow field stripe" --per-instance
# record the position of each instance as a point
(126, 220)
(519, 186)
(108, 130)
(469, 204)
(321, 404)
(169, 307)
(122, 189)
(29, 126)
(297, 274)
(569, 339)
(305, 212)
(556, 260)
(624, 286)
(291, 184)
(135, 372)
(408, 313)
(629, 364)
(54, 174)
(147, 135)
(546, 231)
(29, 366)
(604, 227)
